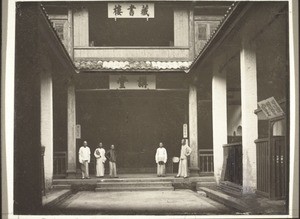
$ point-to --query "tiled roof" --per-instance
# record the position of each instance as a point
(131, 65)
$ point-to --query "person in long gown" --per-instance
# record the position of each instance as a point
(161, 159)
(183, 164)
(112, 157)
(84, 159)
(100, 160)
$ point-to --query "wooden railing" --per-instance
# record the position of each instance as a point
(271, 161)
(59, 164)
(233, 163)
(206, 161)
(278, 167)
(263, 166)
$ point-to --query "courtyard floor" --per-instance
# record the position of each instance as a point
(179, 202)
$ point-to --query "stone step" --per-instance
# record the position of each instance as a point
(133, 184)
(226, 199)
(150, 188)
(152, 179)
(206, 184)
(55, 196)
(138, 180)
(73, 182)
(62, 186)
(231, 188)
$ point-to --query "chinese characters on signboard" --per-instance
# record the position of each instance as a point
(185, 131)
(132, 82)
(270, 108)
(130, 10)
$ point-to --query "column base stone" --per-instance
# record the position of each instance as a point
(71, 174)
(194, 171)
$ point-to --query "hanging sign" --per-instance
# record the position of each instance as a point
(132, 82)
(130, 10)
(185, 131)
(270, 108)
(78, 131)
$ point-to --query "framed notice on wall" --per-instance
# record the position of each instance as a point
(185, 131)
(78, 131)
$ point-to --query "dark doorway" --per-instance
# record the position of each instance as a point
(135, 122)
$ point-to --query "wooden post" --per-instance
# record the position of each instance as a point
(71, 169)
(193, 130)
(219, 108)
(249, 119)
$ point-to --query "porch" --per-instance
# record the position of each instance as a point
(205, 157)
(134, 182)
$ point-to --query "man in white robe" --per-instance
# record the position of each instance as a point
(183, 162)
(100, 160)
(84, 159)
(161, 159)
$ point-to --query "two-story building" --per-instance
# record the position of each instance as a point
(134, 74)
(131, 88)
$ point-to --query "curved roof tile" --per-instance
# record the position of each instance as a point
(131, 65)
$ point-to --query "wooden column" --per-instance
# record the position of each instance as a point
(47, 125)
(249, 119)
(71, 170)
(193, 130)
(70, 36)
(219, 108)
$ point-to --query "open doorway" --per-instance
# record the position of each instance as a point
(135, 122)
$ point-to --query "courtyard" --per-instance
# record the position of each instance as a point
(179, 202)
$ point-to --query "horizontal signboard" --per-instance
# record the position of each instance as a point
(130, 10)
(132, 82)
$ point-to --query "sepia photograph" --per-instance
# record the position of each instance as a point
(150, 108)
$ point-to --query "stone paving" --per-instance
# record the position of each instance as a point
(182, 202)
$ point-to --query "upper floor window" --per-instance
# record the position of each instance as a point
(104, 31)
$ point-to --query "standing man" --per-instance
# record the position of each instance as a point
(100, 160)
(183, 164)
(112, 157)
(84, 159)
(161, 159)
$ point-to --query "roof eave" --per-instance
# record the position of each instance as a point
(153, 71)
(61, 48)
(236, 13)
